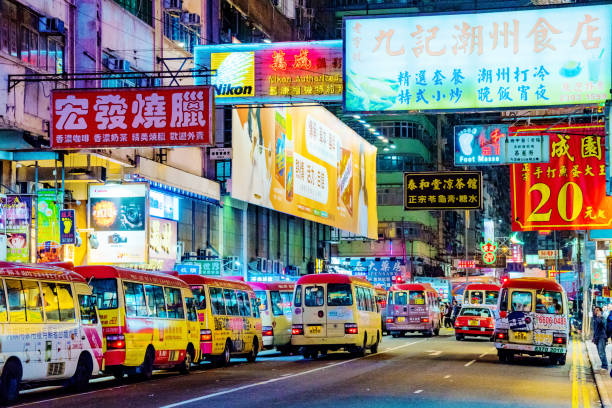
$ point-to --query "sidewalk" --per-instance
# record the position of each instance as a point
(602, 378)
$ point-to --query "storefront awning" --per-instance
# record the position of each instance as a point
(195, 186)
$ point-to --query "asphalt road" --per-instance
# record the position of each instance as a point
(407, 372)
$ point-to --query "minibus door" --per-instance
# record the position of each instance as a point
(314, 313)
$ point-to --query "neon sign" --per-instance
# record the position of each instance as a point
(488, 248)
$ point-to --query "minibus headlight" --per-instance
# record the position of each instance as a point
(267, 331)
(205, 335)
(350, 328)
(115, 341)
(297, 329)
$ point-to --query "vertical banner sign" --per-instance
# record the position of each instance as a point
(519, 58)
(67, 227)
(569, 192)
(47, 227)
(445, 190)
(162, 244)
(609, 149)
(132, 117)
(117, 215)
(305, 162)
(18, 223)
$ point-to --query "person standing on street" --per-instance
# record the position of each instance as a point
(456, 310)
(600, 337)
(448, 315)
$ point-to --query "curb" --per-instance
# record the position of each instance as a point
(600, 381)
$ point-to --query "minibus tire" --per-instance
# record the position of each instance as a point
(501, 354)
(553, 358)
(224, 359)
(459, 337)
(360, 351)
(118, 373)
(10, 380)
(562, 359)
(146, 368)
(374, 348)
(185, 366)
(436, 331)
(82, 374)
(252, 356)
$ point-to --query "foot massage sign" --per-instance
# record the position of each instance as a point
(305, 162)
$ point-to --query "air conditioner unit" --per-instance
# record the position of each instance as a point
(116, 64)
(173, 6)
(51, 25)
(190, 19)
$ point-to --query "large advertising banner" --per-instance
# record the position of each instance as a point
(132, 117)
(304, 161)
(18, 222)
(162, 243)
(47, 227)
(526, 58)
(569, 192)
(277, 72)
(117, 215)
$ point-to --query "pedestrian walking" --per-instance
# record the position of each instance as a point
(448, 316)
(456, 310)
(600, 336)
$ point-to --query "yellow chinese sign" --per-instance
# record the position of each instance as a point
(448, 190)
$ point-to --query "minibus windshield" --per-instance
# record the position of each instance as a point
(106, 293)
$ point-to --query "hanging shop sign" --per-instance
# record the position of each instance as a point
(67, 227)
(276, 72)
(162, 243)
(117, 216)
(305, 162)
(569, 192)
(466, 263)
(446, 190)
(18, 222)
(210, 267)
(488, 252)
(525, 149)
(549, 254)
(220, 153)
(508, 59)
(132, 117)
(163, 205)
(477, 145)
(47, 227)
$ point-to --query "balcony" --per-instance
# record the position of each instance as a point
(266, 17)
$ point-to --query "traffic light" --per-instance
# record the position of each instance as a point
(504, 279)
(399, 279)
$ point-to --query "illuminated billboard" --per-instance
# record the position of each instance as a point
(117, 216)
(277, 72)
(304, 161)
(490, 60)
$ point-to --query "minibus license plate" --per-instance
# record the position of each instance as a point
(521, 337)
(473, 322)
(314, 329)
(543, 339)
(400, 319)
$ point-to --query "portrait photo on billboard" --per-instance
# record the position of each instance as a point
(304, 161)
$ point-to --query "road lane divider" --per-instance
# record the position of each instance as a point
(469, 363)
(584, 390)
(273, 380)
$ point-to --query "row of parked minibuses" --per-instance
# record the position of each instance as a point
(64, 324)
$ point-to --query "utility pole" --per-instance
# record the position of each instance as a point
(467, 222)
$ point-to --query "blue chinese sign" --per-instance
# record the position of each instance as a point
(199, 267)
(379, 271)
(479, 144)
(491, 60)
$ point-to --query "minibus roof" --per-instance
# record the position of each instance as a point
(280, 286)
(482, 286)
(413, 286)
(110, 272)
(533, 283)
(333, 278)
(214, 281)
(38, 272)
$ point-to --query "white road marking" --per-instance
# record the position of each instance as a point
(68, 396)
(418, 391)
(483, 354)
(447, 376)
(469, 363)
(273, 380)
(435, 353)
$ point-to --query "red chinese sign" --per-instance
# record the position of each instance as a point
(569, 192)
(132, 117)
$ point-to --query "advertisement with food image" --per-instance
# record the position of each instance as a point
(304, 161)
(117, 215)
(18, 223)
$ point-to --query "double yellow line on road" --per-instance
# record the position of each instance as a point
(579, 384)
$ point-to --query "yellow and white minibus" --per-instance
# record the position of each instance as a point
(274, 300)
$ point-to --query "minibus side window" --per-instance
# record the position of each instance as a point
(87, 307)
(174, 303)
(286, 298)
(135, 305)
(297, 301)
(66, 302)
(51, 302)
(339, 294)
(401, 298)
(277, 303)
(314, 296)
(25, 302)
(199, 293)
(503, 304)
(231, 305)
(192, 313)
(369, 299)
(59, 304)
(240, 299)
(106, 293)
(254, 307)
(262, 300)
(3, 309)
(491, 298)
(390, 301)
(155, 299)
(217, 303)
(243, 303)
(521, 301)
(359, 297)
(549, 302)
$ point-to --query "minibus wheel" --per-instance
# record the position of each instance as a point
(146, 368)
(9, 382)
(252, 356)
(185, 366)
(501, 354)
(374, 348)
(82, 374)
(224, 359)
(561, 360)
(437, 331)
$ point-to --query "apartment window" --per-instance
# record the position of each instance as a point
(143, 9)
(223, 172)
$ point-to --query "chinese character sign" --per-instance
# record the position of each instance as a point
(67, 227)
(525, 149)
(162, 242)
(132, 117)
(569, 192)
(48, 227)
(449, 190)
(18, 222)
(479, 144)
(304, 161)
(540, 57)
(279, 72)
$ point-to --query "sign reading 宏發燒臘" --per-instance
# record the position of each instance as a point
(131, 117)
(445, 190)
(490, 60)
